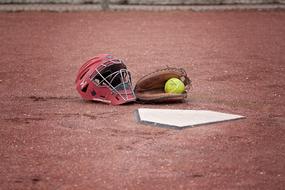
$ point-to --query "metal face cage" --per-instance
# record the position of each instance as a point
(114, 75)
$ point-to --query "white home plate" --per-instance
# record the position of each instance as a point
(182, 118)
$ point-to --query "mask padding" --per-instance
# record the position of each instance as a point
(114, 80)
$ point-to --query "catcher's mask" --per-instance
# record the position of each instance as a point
(105, 79)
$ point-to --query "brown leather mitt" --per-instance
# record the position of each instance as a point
(150, 88)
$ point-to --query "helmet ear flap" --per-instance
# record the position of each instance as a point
(84, 89)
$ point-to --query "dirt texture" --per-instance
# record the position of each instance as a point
(51, 139)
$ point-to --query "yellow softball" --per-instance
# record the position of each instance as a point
(174, 85)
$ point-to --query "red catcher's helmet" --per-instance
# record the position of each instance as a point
(105, 79)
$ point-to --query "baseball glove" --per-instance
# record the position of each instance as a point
(150, 88)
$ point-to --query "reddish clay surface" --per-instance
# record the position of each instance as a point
(51, 139)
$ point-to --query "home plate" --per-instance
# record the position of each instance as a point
(182, 118)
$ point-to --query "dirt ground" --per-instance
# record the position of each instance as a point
(51, 139)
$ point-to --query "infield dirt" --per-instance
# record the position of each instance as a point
(51, 139)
